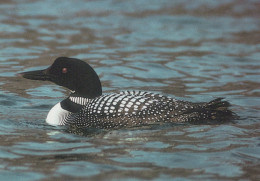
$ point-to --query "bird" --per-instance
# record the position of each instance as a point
(88, 107)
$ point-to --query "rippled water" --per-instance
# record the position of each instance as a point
(190, 50)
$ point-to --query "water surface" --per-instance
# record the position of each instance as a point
(190, 50)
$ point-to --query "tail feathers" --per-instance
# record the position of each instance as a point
(218, 104)
(213, 112)
(218, 110)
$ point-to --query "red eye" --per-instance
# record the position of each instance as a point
(64, 70)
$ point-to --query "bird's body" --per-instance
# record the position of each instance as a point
(87, 107)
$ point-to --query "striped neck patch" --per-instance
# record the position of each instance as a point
(79, 100)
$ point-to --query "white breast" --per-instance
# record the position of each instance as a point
(57, 115)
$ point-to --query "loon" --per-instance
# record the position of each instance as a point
(86, 106)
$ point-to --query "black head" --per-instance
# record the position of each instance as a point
(71, 73)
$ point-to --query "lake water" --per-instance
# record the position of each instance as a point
(190, 50)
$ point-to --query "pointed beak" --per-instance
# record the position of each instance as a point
(37, 75)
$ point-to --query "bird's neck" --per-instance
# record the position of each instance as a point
(88, 86)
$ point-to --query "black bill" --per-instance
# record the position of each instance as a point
(37, 75)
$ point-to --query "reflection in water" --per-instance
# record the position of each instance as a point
(190, 50)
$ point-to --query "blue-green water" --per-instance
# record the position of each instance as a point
(190, 50)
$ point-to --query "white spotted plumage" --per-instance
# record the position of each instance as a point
(128, 108)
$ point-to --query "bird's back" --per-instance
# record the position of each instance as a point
(136, 108)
